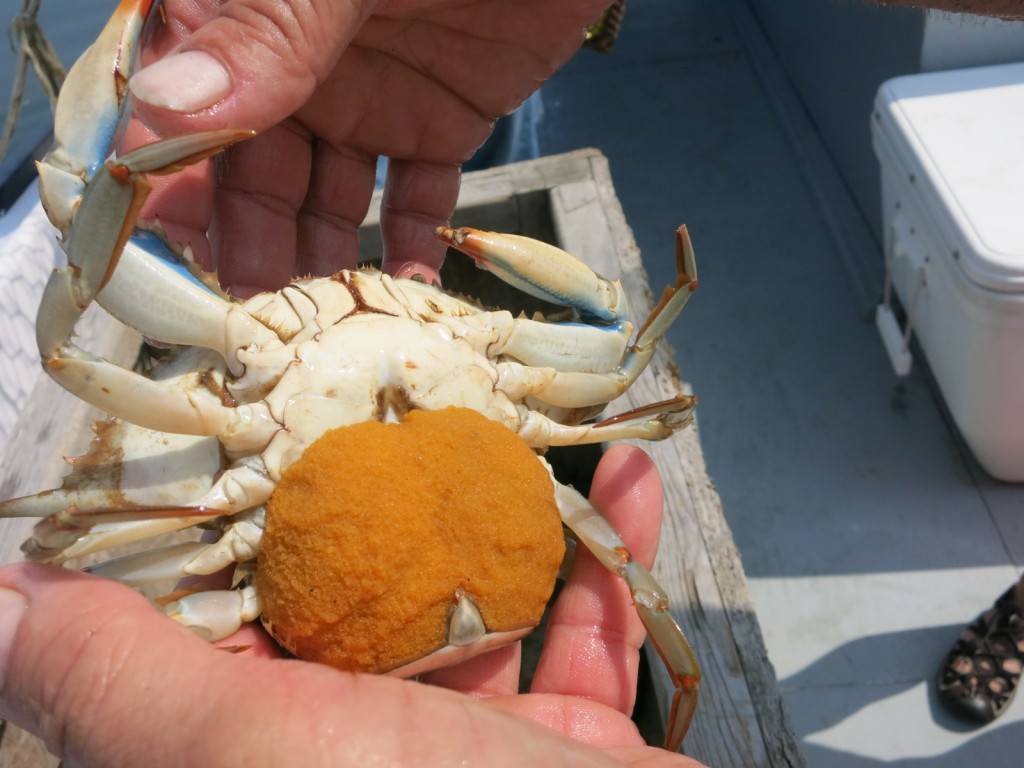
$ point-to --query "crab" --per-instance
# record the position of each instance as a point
(254, 394)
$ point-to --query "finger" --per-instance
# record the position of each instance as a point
(250, 65)
(588, 722)
(339, 195)
(652, 757)
(261, 188)
(594, 636)
(263, 182)
(418, 197)
(627, 490)
(106, 680)
(493, 674)
(251, 640)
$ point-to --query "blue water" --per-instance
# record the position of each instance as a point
(70, 26)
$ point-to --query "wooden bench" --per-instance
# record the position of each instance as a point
(568, 199)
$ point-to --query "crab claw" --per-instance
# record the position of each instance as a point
(94, 199)
(104, 222)
(90, 114)
(541, 270)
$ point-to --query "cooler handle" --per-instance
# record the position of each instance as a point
(896, 340)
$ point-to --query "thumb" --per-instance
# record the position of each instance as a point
(74, 649)
(245, 64)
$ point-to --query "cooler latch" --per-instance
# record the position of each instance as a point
(895, 339)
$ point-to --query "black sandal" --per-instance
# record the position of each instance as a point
(979, 677)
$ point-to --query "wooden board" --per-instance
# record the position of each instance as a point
(740, 720)
(569, 199)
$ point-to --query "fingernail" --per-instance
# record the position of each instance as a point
(412, 270)
(12, 608)
(185, 82)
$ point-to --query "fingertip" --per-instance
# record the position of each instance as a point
(630, 459)
(248, 63)
(627, 490)
(421, 273)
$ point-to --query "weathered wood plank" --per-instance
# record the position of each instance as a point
(741, 720)
(20, 749)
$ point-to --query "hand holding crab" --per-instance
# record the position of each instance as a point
(108, 653)
(329, 86)
(266, 419)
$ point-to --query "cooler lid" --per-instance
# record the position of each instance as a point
(960, 136)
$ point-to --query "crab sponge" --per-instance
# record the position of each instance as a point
(376, 530)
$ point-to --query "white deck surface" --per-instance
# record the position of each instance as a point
(868, 536)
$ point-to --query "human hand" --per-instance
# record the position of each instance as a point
(105, 680)
(330, 86)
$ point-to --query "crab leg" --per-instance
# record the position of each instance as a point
(566, 389)
(216, 613)
(134, 398)
(542, 346)
(93, 249)
(541, 270)
(239, 542)
(102, 226)
(650, 422)
(67, 535)
(70, 532)
(94, 204)
(154, 291)
(573, 364)
(673, 299)
(60, 537)
(105, 216)
(152, 566)
(651, 603)
(90, 116)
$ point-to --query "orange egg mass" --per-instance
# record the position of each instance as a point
(371, 536)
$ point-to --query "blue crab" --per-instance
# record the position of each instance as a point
(250, 387)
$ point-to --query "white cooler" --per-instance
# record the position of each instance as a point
(951, 148)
